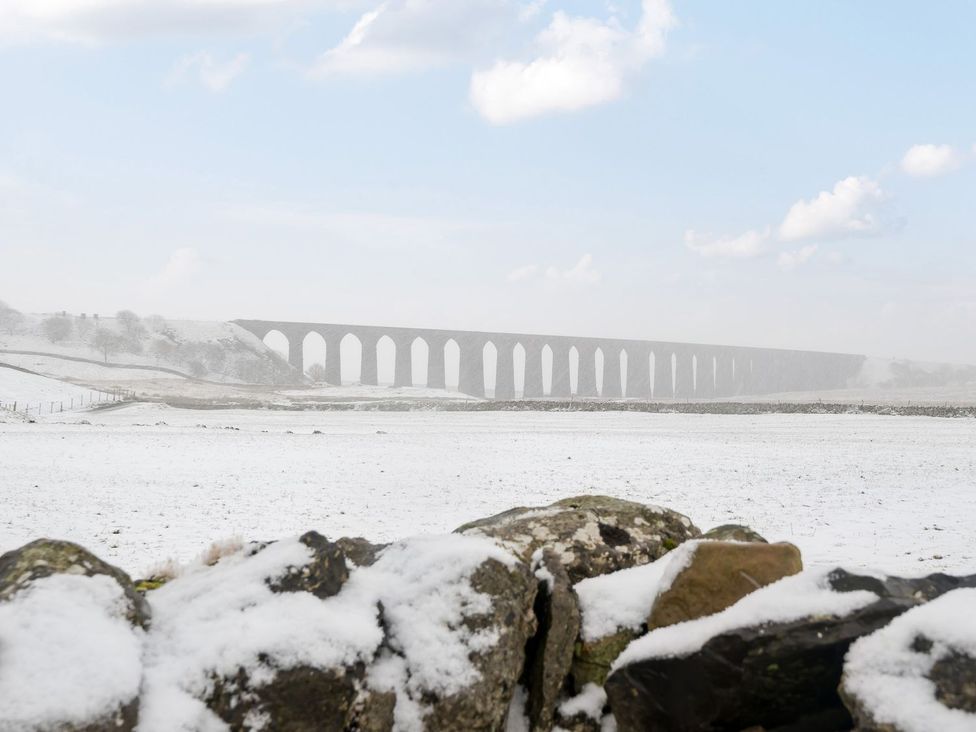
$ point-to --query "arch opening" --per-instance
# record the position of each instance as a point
(653, 374)
(351, 356)
(546, 370)
(277, 342)
(574, 358)
(385, 360)
(313, 357)
(598, 370)
(518, 364)
(452, 364)
(419, 362)
(622, 363)
(489, 364)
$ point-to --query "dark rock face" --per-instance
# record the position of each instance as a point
(733, 532)
(780, 676)
(954, 676)
(323, 576)
(299, 699)
(591, 535)
(45, 557)
(550, 651)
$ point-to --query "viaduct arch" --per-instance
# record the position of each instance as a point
(680, 370)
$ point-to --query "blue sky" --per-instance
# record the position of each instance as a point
(795, 174)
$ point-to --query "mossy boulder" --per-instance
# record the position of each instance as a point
(590, 535)
(46, 557)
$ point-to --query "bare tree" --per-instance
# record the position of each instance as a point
(106, 341)
(316, 372)
(155, 323)
(163, 349)
(10, 318)
(131, 324)
(56, 328)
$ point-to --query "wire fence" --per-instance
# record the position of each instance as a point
(93, 398)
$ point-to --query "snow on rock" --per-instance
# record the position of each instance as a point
(68, 655)
(413, 625)
(806, 594)
(458, 612)
(624, 599)
(214, 622)
(898, 678)
(71, 633)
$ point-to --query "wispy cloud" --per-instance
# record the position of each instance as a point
(523, 273)
(788, 261)
(96, 21)
(744, 246)
(582, 272)
(213, 74)
(184, 264)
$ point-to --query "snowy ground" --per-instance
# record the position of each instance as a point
(143, 483)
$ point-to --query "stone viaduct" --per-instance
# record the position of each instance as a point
(654, 369)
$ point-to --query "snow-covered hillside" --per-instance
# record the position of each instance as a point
(210, 350)
(35, 395)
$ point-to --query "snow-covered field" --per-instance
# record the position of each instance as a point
(144, 483)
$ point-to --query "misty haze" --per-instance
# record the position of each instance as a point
(487, 366)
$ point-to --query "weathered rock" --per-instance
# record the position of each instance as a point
(483, 706)
(719, 574)
(779, 676)
(69, 616)
(322, 577)
(45, 557)
(549, 653)
(918, 667)
(733, 532)
(361, 552)
(300, 699)
(592, 659)
(591, 535)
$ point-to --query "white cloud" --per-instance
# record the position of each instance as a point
(582, 272)
(399, 36)
(930, 160)
(852, 208)
(214, 75)
(183, 264)
(796, 258)
(581, 62)
(92, 21)
(523, 273)
(744, 246)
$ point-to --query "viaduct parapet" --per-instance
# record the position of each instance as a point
(654, 369)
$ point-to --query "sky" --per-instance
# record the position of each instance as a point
(798, 175)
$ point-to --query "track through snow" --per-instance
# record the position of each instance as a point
(144, 483)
